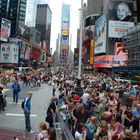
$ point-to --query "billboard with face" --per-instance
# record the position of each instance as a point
(5, 29)
(121, 11)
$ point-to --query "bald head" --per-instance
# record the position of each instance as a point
(30, 93)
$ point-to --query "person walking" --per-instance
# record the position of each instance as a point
(16, 90)
(27, 111)
(54, 87)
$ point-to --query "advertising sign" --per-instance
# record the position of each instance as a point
(21, 44)
(92, 51)
(43, 45)
(100, 39)
(120, 49)
(5, 29)
(89, 34)
(28, 52)
(109, 61)
(121, 10)
(36, 54)
(23, 30)
(9, 53)
(117, 29)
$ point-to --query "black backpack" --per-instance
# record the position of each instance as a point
(22, 104)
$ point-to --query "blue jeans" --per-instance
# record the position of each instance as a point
(27, 121)
(15, 96)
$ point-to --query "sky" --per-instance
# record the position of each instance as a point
(55, 6)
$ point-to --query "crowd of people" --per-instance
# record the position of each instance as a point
(97, 107)
(107, 109)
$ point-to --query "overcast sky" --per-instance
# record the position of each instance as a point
(55, 6)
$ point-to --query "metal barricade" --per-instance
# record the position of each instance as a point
(62, 130)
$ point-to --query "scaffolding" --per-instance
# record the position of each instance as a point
(132, 41)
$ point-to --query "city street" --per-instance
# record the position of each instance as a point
(13, 116)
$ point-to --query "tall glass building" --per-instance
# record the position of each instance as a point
(65, 28)
(16, 12)
(32, 9)
(43, 23)
(3, 8)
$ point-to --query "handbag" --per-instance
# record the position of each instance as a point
(49, 118)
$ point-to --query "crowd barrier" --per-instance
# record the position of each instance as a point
(62, 131)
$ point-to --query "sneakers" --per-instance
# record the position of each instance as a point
(32, 132)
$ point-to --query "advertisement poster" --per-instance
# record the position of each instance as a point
(89, 34)
(23, 30)
(9, 53)
(109, 61)
(100, 39)
(36, 54)
(28, 52)
(43, 45)
(5, 29)
(121, 10)
(21, 44)
(92, 52)
(117, 29)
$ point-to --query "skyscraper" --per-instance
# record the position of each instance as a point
(32, 9)
(65, 27)
(22, 10)
(3, 8)
(43, 22)
(94, 7)
(16, 12)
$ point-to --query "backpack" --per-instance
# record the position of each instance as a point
(22, 104)
(44, 136)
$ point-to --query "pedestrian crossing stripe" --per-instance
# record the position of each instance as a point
(19, 115)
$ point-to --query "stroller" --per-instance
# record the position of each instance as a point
(3, 102)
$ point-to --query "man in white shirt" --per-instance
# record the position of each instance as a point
(85, 97)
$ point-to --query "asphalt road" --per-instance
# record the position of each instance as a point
(13, 116)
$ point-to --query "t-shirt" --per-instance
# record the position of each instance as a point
(88, 128)
(51, 106)
(117, 126)
(78, 135)
(136, 113)
(43, 135)
(103, 135)
(82, 117)
(85, 97)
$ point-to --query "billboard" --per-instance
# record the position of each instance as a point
(117, 29)
(43, 46)
(5, 30)
(109, 61)
(21, 45)
(100, 35)
(121, 10)
(89, 34)
(27, 55)
(9, 53)
(36, 54)
(92, 51)
(23, 31)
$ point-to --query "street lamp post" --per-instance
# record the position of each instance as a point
(80, 47)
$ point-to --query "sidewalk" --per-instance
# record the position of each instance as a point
(8, 134)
